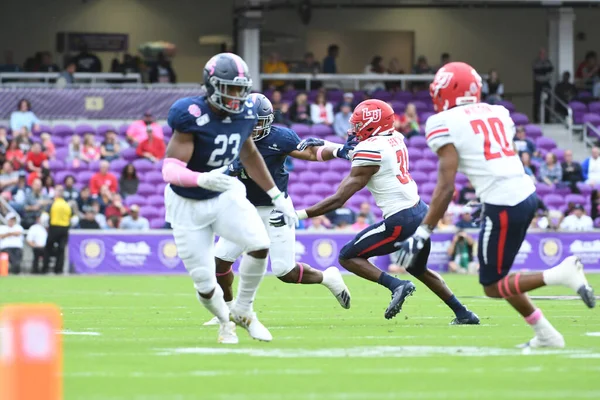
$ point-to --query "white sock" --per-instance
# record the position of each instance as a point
(216, 305)
(229, 304)
(251, 272)
(539, 323)
(553, 276)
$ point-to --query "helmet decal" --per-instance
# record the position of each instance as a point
(442, 80)
(371, 115)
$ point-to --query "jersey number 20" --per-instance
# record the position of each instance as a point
(497, 135)
(225, 144)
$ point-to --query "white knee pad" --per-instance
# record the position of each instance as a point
(204, 278)
(226, 250)
(281, 267)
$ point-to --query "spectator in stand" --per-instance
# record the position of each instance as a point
(342, 217)
(321, 112)
(86, 61)
(138, 130)
(103, 178)
(408, 123)
(577, 221)
(394, 68)
(466, 220)
(116, 208)
(36, 239)
(542, 74)
(492, 89)
(128, 66)
(110, 148)
(341, 122)
(3, 140)
(134, 221)
(89, 220)
(446, 224)
(18, 194)
(462, 254)
(8, 176)
(75, 151)
(24, 140)
(23, 119)
(35, 202)
(550, 171)
(467, 194)
(104, 198)
(11, 242)
(348, 99)
(84, 201)
(128, 182)
(566, 91)
(522, 144)
(360, 224)
(587, 70)
(274, 65)
(48, 186)
(47, 146)
(422, 67)
(36, 159)
(571, 171)
(365, 209)
(444, 59)
(151, 148)
(162, 71)
(69, 192)
(299, 110)
(47, 64)
(590, 167)
(375, 67)
(67, 77)
(280, 109)
(319, 224)
(529, 168)
(308, 65)
(90, 150)
(595, 204)
(329, 63)
(98, 209)
(9, 64)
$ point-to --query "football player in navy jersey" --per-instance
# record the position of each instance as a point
(209, 133)
(275, 144)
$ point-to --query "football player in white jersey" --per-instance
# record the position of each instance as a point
(476, 139)
(380, 162)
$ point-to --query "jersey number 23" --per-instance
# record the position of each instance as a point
(227, 148)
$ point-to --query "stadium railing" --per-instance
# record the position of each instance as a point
(548, 105)
(20, 79)
(354, 80)
(590, 140)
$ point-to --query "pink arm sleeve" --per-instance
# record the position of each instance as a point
(174, 171)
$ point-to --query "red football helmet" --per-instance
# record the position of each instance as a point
(370, 118)
(455, 84)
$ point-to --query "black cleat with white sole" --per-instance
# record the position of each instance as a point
(400, 294)
(587, 295)
(472, 319)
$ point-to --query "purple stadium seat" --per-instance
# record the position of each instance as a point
(355, 201)
(301, 129)
(94, 166)
(403, 96)
(312, 199)
(575, 198)
(398, 106)
(427, 188)
(155, 200)
(421, 105)
(422, 95)
(84, 176)
(135, 199)
(335, 96)
(335, 139)
(157, 223)
(300, 166)
(578, 106)
(339, 165)
(382, 95)
(299, 188)
(417, 141)
(424, 165)
(584, 188)
(430, 155)
(332, 177)
(83, 166)
(145, 189)
(79, 186)
(59, 141)
(426, 198)
(419, 176)
(424, 116)
(149, 212)
(168, 132)
(153, 177)
(60, 176)
(414, 154)
(461, 179)
(592, 119)
(55, 165)
(160, 189)
(318, 167)
(117, 165)
(142, 165)
(123, 130)
(542, 189)
(553, 201)
(559, 153)
(83, 129)
(289, 95)
(507, 104)
(62, 130)
(533, 131)
(320, 130)
(102, 129)
(545, 143)
(519, 118)
(322, 189)
(129, 154)
(594, 107)
(62, 153)
(358, 96)
(308, 177)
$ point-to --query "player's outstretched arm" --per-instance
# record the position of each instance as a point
(313, 149)
(358, 179)
(444, 189)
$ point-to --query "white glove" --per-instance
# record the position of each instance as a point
(284, 205)
(216, 181)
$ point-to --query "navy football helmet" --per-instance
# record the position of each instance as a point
(227, 82)
(264, 111)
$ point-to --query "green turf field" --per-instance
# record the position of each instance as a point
(135, 338)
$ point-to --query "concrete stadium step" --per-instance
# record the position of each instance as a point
(563, 140)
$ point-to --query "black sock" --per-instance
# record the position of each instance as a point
(389, 281)
(459, 309)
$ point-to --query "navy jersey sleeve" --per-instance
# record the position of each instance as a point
(288, 140)
(180, 115)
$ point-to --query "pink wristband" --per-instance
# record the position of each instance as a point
(175, 171)
(320, 153)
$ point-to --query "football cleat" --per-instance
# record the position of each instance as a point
(332, 280)
(254, 327)
(572, 272)
(227, 333)
(472, 319)
(212, 322)
(552, 339)
(400, 294)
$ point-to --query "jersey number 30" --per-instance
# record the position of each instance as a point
(227, 149)
(497, 135)
(402, 160)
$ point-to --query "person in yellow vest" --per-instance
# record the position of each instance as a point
(58, 231)
(275, 66)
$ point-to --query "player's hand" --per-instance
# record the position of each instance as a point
(348, 147)
(235, 168)
(276, 219)
(310, 142)
(411, 247)
(216, 181)
(284, 205)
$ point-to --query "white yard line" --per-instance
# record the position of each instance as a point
(84, 333)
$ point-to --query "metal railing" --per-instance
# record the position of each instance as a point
(590, 141)
(548, 104)
(354, 80)
(49, 78)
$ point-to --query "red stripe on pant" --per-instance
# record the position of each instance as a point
(394, 236)
(502, 239)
